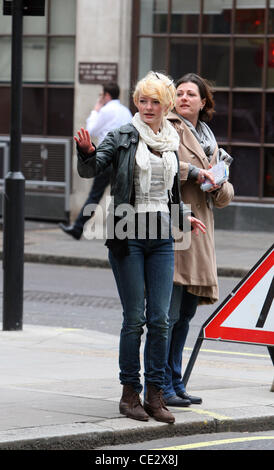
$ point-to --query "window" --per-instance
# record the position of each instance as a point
(231, 43)
(48, 70)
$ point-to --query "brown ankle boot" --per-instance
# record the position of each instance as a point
(130, 404)
(155, 407)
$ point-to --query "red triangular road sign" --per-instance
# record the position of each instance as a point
(247, 314)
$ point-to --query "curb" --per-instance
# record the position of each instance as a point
(222, 271)
(64, 260)
(91, 440)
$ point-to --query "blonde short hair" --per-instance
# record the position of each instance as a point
(158, 86)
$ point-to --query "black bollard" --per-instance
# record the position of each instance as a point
(14, 194)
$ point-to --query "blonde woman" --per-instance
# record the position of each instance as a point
(145, 176)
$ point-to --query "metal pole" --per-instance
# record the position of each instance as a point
(271, 353)
(193, 357)
(13, 257)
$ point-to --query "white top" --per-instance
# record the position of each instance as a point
(111, 116)
(156, 199)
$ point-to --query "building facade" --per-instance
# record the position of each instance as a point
(229, 42)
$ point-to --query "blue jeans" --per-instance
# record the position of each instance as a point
(145, 275)
(183, 307)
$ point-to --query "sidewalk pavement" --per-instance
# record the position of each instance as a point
(59, 387)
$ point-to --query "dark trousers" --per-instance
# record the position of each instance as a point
(97, 190)
(183, 307)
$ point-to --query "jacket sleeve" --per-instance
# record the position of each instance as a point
(89, 166)
(188, 171)
(223, 196)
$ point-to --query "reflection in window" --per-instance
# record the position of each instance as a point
(269, 173)
(250, 17)
(185, 16)
(217, 17)
(269, 118)
(153, 16)
(5, 21)
(248, 63)
(61, 60)
(244, 171)
(62, 16)
(246, 117)
(5, 59)
(183, 57)
(34, 59)
(219, 123)
(215, 61)
(152, 55)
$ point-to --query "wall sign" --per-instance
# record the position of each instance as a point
(97, 72)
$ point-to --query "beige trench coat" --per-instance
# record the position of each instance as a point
(196, 267)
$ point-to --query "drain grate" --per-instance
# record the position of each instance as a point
(64, 298)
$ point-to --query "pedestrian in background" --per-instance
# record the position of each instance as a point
(145, 174)
(195, 277)
(107, 114)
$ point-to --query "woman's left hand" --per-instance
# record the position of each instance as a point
(197, 225)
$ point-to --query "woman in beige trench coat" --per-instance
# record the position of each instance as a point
(195, 277)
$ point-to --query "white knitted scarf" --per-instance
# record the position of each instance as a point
(166, 141)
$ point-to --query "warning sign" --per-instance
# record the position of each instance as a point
(247, 314)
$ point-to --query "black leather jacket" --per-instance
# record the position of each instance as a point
(119, 149)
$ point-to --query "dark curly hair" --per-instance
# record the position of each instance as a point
(206, 114)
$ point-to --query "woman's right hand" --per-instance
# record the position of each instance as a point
(84, 142)
(205, 175)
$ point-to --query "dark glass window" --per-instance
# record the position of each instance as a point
(183, 57)
(215, 61)
(249, 20)
(33, 111)
(219, 123)
(160, 24)
(246, 117)
(184, 23)
(269, 118)
(216, 18)
(269, 173)
(270, 64)
(185, 16)
(248, 64)
(60, 104)
(4, 110)
(244, 171)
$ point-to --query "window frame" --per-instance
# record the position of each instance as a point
(46, 85)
